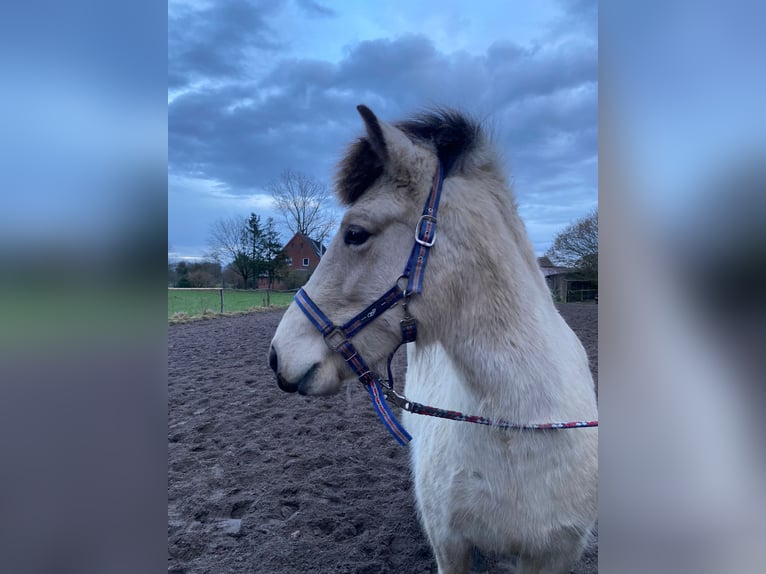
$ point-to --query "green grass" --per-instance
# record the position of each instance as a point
(183, 304)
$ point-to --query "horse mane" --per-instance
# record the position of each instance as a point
(452, 134)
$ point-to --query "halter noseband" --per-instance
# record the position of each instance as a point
(338, 337)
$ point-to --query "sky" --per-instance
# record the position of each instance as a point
(257, 87)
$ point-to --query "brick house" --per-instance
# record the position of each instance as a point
(302, 256)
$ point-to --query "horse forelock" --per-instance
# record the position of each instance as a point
(452, 134)
(358, 170)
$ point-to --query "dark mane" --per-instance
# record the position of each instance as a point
(451, 133)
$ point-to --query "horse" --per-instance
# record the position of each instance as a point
(489, 340)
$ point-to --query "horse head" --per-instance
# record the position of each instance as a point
(383, 180)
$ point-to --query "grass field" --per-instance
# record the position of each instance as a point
(183, 303)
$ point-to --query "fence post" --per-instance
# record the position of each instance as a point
(221, 300)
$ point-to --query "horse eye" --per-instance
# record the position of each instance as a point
(356, 235)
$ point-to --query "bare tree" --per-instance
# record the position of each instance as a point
(577, 246)
(228, 240)
(304, 203)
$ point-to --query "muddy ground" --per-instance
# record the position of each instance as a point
(263, 481)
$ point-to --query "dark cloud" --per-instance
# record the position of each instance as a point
(301, 106)
(585, 10)
(578, 14)
(540, 102)
(248, 145)
(315, 9)
(218, 41)
(519, 73)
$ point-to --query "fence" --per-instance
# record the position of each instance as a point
(197, 301)
(582, 295)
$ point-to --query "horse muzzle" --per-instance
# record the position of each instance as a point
(302, 386)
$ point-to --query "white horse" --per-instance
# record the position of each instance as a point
(490, 342)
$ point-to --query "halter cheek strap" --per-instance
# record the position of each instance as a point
(425, 236)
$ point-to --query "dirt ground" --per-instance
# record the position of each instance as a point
(268, 482)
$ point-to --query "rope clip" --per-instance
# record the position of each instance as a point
(399, 400)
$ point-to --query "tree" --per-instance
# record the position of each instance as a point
(229, 239)
(255, 239)
(196, 274)
(272, 254)
(172, 275)
(577, 246)
(304, 203)
(253, 249)
(182, 272)
(204, 274)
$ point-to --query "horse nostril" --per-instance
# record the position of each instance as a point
(273, 361)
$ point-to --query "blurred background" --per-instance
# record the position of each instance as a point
(683, 298)
(83, 155)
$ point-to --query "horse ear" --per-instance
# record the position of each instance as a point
(374, 132)
(388, 142)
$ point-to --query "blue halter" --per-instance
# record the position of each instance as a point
(338, 338)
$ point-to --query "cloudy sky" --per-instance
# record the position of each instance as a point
(255, 87)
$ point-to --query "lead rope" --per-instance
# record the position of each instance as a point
(405, 404)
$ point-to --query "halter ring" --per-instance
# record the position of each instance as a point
(405, 294)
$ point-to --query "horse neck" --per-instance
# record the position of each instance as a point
(502, 325)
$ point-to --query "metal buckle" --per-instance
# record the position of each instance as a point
(399, 400)
(338, 335)
(418, 226)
